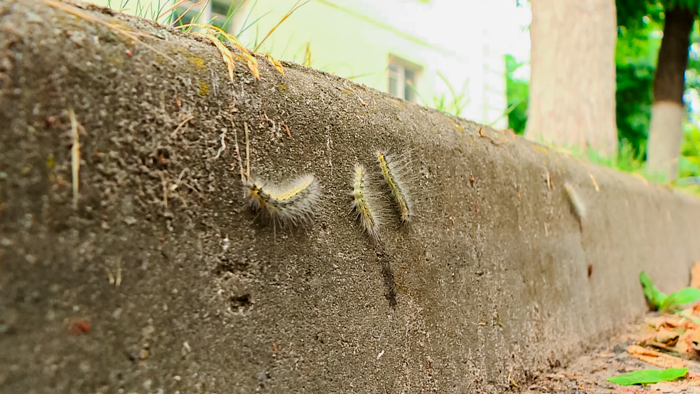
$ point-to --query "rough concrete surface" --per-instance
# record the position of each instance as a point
(162, 281)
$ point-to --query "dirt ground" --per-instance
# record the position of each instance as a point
(588, 373)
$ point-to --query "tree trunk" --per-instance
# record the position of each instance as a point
(666, 131)
(572, 84)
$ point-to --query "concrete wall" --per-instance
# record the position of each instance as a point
(489, 285)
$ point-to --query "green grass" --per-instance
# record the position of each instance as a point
(146, 12)
(457, 102)
(175, 16)
(625, 161)
(629, 161)
(454, 104)
(658, 300)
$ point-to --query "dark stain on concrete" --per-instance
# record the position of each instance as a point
(388, 276)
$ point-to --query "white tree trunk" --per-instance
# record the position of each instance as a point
(665, 140)
(666, 131)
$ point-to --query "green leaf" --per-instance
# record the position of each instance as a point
(651, 292)
(681, 297)
(648, 376)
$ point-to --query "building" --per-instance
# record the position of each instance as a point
(447, 54)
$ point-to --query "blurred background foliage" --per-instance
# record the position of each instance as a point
(639, 34)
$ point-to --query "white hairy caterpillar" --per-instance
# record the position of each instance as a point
(292, 204)
(577, 206)
(392, 172)
(364, 203)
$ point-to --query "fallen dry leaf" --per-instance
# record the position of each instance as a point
(675, 321)
(685, 342)
(642, 351)
(669, 321)
(655, 358)
(656, 321)
(664, 335)
(695, 340)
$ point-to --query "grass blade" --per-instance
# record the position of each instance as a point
(252, 23)
(132, 35)
(188, 10)
(307, 55)
(232, 11)
(250, 11)
(174, 7)
(284, 18)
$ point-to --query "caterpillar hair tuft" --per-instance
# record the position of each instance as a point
(291, 204)
(393, 172)
(364, 202)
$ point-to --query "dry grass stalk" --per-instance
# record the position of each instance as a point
(184, 13)
(134, 36)
(210, 32)
(275, 63)
(75, 156)
(284, 18)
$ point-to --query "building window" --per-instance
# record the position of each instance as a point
(402, 78)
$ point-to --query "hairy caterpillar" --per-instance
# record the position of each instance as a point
(392, 171)
(577, 206)
(288, 205)
(364, 203)
(292, 204)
